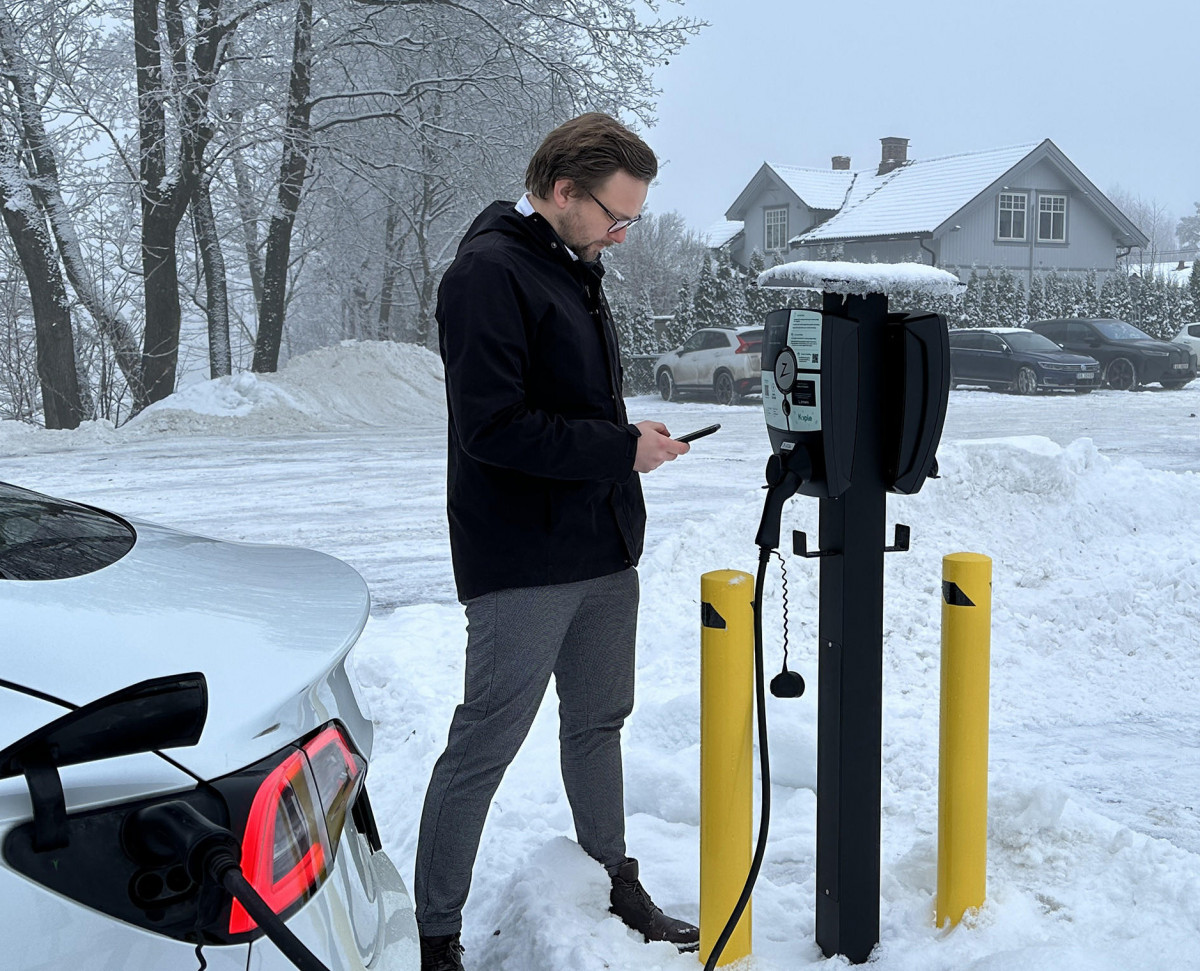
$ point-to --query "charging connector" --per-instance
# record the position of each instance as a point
(175, 831)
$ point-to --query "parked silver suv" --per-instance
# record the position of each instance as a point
(720, 361)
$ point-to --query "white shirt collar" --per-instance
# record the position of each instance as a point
(525, 208)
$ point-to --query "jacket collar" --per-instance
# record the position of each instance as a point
(546, 234)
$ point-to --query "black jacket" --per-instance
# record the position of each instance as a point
(540, 481)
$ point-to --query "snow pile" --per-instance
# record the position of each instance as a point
(859, 278)
(353, 383)
(18, 437)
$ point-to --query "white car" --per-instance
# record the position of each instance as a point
(183, 757)
(1189, 337)
(720, 361)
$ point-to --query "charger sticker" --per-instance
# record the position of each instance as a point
(797, 411)
(804, 337)
(805, 403)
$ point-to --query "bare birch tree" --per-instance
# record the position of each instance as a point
(61, 405)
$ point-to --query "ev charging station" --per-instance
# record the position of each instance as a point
(854, 399)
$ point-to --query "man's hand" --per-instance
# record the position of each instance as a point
(656, 446)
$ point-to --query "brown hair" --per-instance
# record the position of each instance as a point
(587, 150)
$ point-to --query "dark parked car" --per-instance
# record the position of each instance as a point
(1128, 356)
(1016, 359)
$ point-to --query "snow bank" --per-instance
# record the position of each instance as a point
(353, 383)
(836, 276)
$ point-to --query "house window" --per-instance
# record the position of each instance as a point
(1012, 216)
(776, 222)
(1052, 219)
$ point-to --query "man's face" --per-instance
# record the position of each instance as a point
(584, 224)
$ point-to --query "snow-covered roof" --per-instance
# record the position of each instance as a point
(720, 233)
(819, 188)
(834, 276)
(915, 197)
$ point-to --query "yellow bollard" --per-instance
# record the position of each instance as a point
(963, 760)
(726, 756)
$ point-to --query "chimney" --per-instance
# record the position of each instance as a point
(841, 163)
(895, 154)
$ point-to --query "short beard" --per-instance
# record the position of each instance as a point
(572, 235)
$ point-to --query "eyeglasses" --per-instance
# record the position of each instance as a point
(618, 223)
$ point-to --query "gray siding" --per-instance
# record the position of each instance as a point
(1089, 242)
(800, 218)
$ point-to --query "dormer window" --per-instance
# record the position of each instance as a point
(775, 223)
(1011, 216)
(1052, 219)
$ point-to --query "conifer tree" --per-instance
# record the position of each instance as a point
(1137, 299)
(730, 292)
(1153, 314)
(1036, 306)
(1008, 308)
(1091, 295)
(704, 296)
(989, 307)
(1052, 286)
(1017, 312)
(1073, 295)
(759, 300)
(1116, 298)
(971, 301)
(684, 321)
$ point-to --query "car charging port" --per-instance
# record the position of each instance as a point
(171, 833)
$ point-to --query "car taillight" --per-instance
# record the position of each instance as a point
(295, 822)
(748, 347)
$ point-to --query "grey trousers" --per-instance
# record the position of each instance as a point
(583, 633)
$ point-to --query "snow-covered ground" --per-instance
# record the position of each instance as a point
(1089, 507)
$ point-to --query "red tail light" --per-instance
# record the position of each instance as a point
(295, 823)
(748, 347)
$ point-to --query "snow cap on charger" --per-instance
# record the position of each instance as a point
(858, 278)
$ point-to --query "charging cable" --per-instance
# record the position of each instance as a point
(785, 474)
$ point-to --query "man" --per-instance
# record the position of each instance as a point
(546, 516)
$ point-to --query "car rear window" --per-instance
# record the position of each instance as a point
(752, 339)
(50, 539)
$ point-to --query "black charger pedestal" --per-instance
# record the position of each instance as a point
(850, 676)
(862, 393)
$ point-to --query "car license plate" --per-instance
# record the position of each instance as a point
(1085, 376)
(1180, 367)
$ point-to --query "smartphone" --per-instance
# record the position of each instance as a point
(698, 433)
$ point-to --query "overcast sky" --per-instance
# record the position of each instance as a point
(1115, 85)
